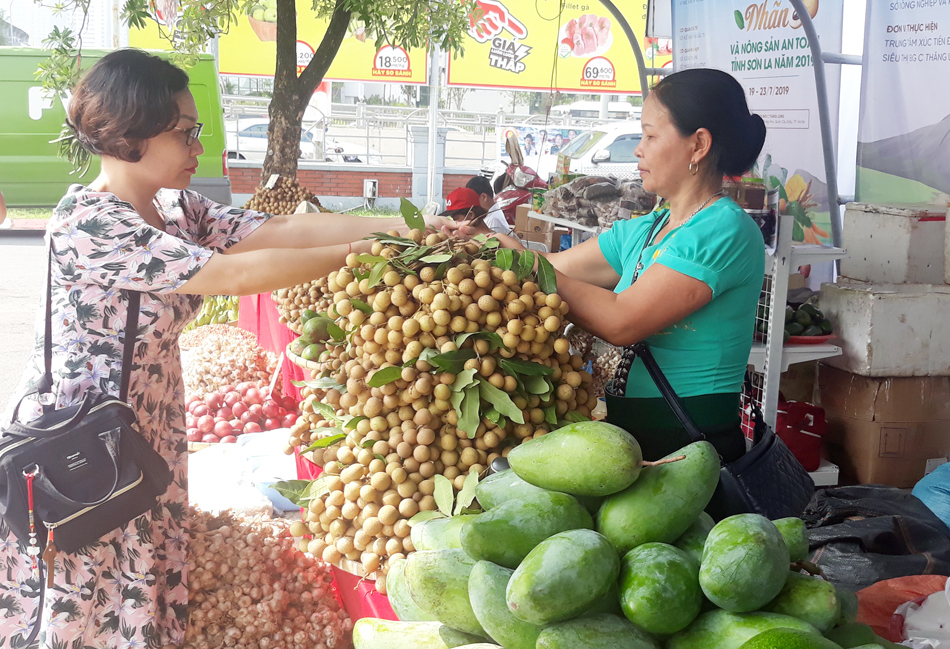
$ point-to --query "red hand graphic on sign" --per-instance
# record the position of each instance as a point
(493, 18)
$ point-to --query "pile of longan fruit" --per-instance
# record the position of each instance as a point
(283, 198)
(383, 472)
(293, 301)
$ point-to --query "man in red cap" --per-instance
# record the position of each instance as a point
(463, 204)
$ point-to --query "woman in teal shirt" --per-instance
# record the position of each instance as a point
(697, 278)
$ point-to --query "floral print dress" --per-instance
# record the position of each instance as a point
(129, 589)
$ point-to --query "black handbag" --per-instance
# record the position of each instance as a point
(77, 473)
(767, 480)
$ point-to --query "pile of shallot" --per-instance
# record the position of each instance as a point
(224, 355)
(250, 587)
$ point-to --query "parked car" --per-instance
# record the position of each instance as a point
(602, 150)
(606, 149)
(342, 151)
(247, 140)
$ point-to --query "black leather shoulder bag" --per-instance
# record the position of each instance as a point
(76, 474)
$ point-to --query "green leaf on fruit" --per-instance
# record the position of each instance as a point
(517, 366)
(411, 215)
(574, 417)
(463, 379)
(336, 331)
(361, 305)
(296, 491)
(537, 385)
(385, 376)
(377, 274)
(467, 494)
(480, 238)
(422, 517)
(493, 416)
(469, 420)
(547, 278)
(325, 410)
(500, 400)
(325, 442)
(491, 244)
(550, 415)
(436, 259)
(442, 269)
(525, 264)
(370, 259)
(452, 362)
(367, 443)
(494, 340)
(444, 494)
(353, 421)
(504, 258)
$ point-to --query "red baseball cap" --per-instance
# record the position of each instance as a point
(462, 198)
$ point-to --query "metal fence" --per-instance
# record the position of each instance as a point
(384, 132)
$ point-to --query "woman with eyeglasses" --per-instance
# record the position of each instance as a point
(136, 227)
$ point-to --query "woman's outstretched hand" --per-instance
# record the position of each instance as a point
(449, 226)
(508, 241)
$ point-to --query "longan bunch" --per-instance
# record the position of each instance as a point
(293, 301)
(407, 431)
(283, 198)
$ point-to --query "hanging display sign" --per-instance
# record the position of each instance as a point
(249, 48)
(903, 123)
(762, 44)
(567, 46)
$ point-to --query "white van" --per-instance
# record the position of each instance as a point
(606, 150)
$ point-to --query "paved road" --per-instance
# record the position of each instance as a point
(22, 278)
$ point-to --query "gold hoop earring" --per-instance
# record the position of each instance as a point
(693, 168)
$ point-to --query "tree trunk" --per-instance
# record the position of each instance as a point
(292, 93)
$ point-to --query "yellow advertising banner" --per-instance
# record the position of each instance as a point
(549, 44)
(249, 48)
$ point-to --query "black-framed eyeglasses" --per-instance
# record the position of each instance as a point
(191, 134)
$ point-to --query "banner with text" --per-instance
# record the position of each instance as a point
(250, 48)
(904, 121)
(531, 46)
(764, 47)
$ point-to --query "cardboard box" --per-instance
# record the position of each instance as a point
(893, 244)
(885, 430)
(890, 329)
(529, 229)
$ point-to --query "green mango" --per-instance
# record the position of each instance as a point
(438, 533)
(609, 603)
(694, 538)
(373, 633)
(794, 329)
(399, 598)
(855, 634)
(591, 503)
(454, 638)
(849, 606)
(796, 537)
(803, 318)
(720, 629)
(479, 645)
(603, 631)
(811, 599)
(486, 590)
(659, 588)
(789, 639)
(315, 329)
(507, 533)
(562, 577)
(665, 500)
(588, 458)
(438, 583)
(745, 563)
(501, 487)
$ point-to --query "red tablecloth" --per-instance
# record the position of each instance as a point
(258, 314)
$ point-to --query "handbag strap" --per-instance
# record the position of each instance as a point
(128, 351)
(642, 350)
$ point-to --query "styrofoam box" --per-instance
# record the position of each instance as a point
(890, 329)
(894, 244)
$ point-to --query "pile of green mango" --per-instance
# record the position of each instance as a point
(216, 309)
(806, 320)
(581, 545)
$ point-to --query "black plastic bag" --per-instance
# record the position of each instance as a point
(864, 534)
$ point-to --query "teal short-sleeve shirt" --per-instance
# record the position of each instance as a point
(706, 352)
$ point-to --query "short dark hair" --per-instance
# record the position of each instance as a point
(714, 100)
(127, 97)
(481, 185)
